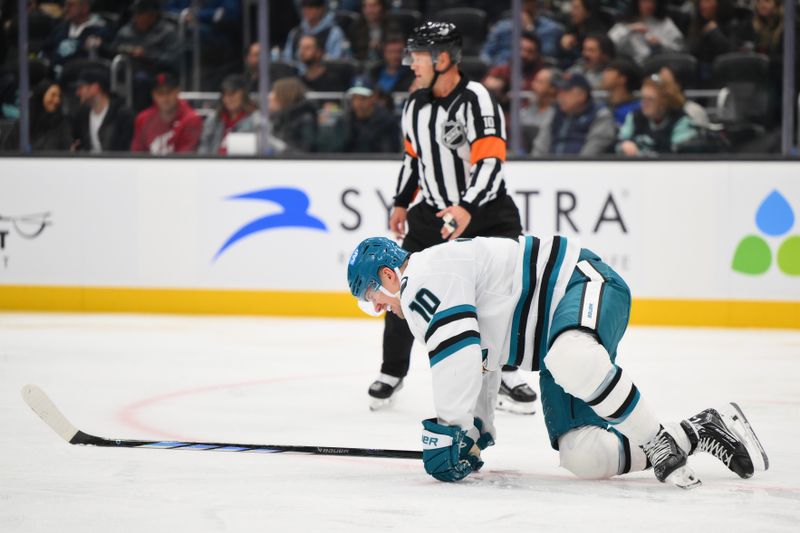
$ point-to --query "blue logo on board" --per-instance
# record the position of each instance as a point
(295, 214)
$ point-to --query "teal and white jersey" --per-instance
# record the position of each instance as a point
(482, 303)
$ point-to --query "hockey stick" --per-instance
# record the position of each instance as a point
(43, 406)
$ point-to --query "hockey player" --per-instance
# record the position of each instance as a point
(544, 304)
(455, 150)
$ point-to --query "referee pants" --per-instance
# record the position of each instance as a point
(498, 218)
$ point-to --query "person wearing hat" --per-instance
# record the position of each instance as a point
(170, 125)
(152, 45)
(235, 114)
(621, 78)
(367, 126)
(103, 123)
(580, 126)
(321, 24)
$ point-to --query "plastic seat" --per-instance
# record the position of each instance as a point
(683, 65)
(281, 69)
(344, 69)
(744, 79)
(474, 67)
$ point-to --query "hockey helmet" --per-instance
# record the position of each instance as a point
(434, 37)
(368, 258)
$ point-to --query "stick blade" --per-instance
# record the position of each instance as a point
(43, 406)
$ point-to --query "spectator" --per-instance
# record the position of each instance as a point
(251, 66)
(693, 110)
(103, 123)
(315, 75)
(710, 33)
(647, 30)
(151, 43)
(497, 49)
(390, 75)
(80, 35)
(598, 51)
(370, 31)
(170, 125)
(580, 126)
(49, 128)
(660, 126)
(367, 127)
(585, 19)
(498, 79)
(294, 118)
(322, 26)
(621, 78)
(540, 109)
(763, 33)
(235, 114)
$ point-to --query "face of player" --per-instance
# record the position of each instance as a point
(383, 298)
(422, 65)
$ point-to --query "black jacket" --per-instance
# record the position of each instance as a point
(115, 133)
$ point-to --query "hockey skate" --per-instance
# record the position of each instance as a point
(669, 461)
(383, 390)
(728, 436)
(515, 394)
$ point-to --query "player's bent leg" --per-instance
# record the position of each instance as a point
(591, 452)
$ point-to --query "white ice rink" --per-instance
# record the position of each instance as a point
(284, 381)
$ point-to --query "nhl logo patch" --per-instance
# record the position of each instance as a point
(453, 134)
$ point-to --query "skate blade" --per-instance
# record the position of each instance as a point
(376, 404)
(685, 478)
(738, 423)
(519, 408)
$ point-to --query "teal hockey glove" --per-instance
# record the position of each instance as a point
(485, 439)
(448, 453)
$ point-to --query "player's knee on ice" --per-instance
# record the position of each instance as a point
(578, 362)
(590, 452)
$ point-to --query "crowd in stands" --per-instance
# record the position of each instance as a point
(598, 76)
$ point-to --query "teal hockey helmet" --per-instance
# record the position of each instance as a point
(368, 258)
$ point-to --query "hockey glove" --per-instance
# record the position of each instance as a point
(485, 439)
(448, 452)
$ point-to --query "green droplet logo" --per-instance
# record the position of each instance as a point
(752, 256)
(789, 256)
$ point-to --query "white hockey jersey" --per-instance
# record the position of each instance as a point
(478, 304)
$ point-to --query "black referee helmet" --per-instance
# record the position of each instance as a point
(434, 37)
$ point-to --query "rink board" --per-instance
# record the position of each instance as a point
(273, 237)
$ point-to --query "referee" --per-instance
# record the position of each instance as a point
(455, 147)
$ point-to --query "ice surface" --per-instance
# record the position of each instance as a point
(287, 381)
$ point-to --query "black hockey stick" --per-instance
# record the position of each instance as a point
(47, 411)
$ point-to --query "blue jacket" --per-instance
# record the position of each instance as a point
(328, 34)
(497, 49)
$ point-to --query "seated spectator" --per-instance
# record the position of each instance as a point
(390, 75)
(660, 126)
(316, 76)
(80, 34)
(320, 25)
(710, 33)
(293, 117)
(498, 79)
(251, 66)
(763, 33)
(646, 30)
(370, 32)
(49, 128)
(621, 78)
(584, 19)
(103, 123)
(151, 43)
(580, 126)
(695, 111)
(368, 126)
(170, 125)
(541, 107)
(598, 51)
(236, 113)
(497, 49)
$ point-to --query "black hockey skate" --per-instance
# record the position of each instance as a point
(669, 461)
(515, 394)
(382, 391)
(729, 438)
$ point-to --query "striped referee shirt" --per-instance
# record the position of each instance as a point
(454, 148)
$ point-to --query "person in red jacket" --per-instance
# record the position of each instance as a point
(170, 125)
